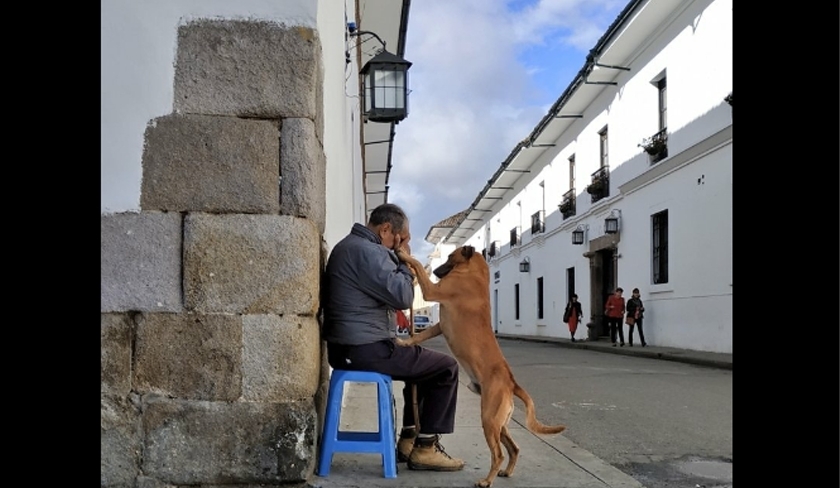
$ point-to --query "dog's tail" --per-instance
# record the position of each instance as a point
(533, 424)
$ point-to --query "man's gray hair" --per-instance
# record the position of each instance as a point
(390, 213)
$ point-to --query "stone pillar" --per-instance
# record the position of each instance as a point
(213, 372)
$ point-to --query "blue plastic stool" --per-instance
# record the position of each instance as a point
(382, 442)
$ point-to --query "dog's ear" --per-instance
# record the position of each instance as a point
(467, 251)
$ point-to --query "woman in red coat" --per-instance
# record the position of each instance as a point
(614, 312)
(573, 315)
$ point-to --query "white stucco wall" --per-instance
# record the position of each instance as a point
(138, 46)
(694, 309)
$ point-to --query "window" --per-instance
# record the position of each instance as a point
(570, 283)
(572, 172)
(516, 301)
(537, 223)
(659, 224)
(662, 86)
(605, 159)
(540, 297)
(514, 237)
(494, 249)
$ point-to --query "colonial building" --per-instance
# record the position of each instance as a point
(236, 151)
(625, 182)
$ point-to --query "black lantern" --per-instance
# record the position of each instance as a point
(385, 88)
(611, 223)
(525, 265)
(579, 235)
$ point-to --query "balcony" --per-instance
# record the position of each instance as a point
(568, 205)
(538, 222)
(494, 249)
(656, 146)
(515, 238)
(600, 186)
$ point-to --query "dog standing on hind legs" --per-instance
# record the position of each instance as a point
(463, 292)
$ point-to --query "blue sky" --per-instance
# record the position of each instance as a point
(484, 73)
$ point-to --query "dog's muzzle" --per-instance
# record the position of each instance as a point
(442, 270)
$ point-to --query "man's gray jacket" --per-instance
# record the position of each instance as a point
(364, 283)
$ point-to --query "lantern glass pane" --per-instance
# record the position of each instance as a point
(389, 87)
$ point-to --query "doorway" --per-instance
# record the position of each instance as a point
(608, 284)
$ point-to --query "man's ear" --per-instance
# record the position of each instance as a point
(383, 228)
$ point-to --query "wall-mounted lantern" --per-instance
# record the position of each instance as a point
(611, 223)
(579, 234)
(525, 265)
(384, 84)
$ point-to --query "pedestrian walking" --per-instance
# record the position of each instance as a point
(635, 316)
(614, 312)
(573, 315)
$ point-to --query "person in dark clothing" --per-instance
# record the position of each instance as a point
(573, 315)
(365, 284)
(636, 309)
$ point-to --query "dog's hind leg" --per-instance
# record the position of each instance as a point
(512, 450)
(492, 436)
(496, 410)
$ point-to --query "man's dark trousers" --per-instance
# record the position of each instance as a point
(434, 373)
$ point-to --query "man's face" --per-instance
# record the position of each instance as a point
(389, 237)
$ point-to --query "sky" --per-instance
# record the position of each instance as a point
(483, 74)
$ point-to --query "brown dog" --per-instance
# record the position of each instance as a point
(464, 296)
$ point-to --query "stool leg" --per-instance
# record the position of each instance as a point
(330, 434)
(387, 429)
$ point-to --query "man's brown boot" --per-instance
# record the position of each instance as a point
(405, 444)
(429, 455)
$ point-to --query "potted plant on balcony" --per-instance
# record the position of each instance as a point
(655, 145)
(597, 186)
(566, 207)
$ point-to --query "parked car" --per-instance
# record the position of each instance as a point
(421, 322)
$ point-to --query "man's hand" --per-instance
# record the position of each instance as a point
(401, 245)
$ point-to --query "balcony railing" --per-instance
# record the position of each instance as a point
(656, 145)
(494, 249)
(514, 237)
(568, 205)
(600, 186)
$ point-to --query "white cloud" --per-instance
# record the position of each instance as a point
(484, 73)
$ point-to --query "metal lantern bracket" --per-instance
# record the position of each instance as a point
(384, 83)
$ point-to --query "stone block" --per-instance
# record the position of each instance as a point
(189, 356)
(303, 173)
(140, 262)
(115, 354)
(119, 442)
(281, 357)
(251, 264)
(201, 163)
(196, 442)
(246, 68)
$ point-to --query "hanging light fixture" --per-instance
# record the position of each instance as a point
(611, 223)
(579, 234)
(525, 265)
(384, 84)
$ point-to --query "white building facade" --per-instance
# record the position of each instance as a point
(662, 73)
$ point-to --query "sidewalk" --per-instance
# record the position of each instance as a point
(550, 461)
(700, 358)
